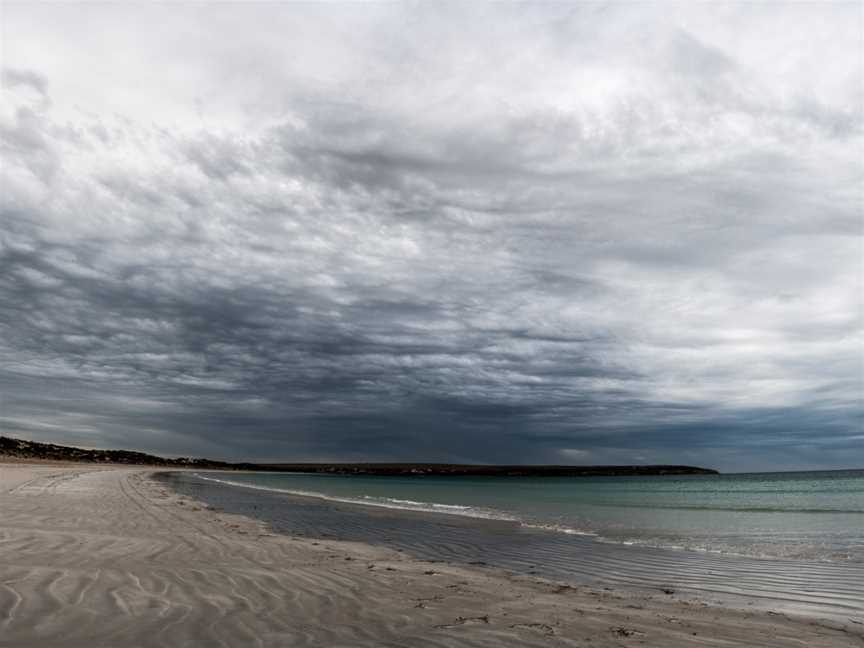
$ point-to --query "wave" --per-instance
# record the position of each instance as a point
(381, 502)
(559, 528)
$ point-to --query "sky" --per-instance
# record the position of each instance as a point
(581, 233)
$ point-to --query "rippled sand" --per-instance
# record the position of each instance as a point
(106, 557)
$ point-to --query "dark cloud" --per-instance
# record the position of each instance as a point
(586, 235)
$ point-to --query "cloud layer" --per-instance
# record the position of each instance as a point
(587, 234)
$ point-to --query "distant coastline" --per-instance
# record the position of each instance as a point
(21, 449)
(476, 470)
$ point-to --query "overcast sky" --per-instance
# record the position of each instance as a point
(557, 233)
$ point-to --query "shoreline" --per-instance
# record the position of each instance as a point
(827, 590)
(492, 515)
(107, 556)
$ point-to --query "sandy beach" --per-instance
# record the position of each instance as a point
(104, 556)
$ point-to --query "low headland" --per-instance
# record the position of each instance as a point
(21, 449)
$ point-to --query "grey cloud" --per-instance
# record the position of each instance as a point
(597, 247)
(11, 77)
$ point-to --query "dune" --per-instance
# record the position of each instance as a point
(104, 556)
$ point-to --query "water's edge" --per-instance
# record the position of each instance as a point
(815, 589)
(753, 515)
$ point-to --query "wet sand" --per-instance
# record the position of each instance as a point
(102, 556)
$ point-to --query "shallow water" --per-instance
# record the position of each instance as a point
(810, 515)
(820, 588)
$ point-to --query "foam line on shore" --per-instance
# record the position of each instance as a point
(383, 502)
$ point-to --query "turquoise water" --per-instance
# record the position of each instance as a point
(803, 515)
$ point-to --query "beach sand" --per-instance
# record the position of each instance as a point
(106, 557)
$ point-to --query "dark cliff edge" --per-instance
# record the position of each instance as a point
(33, 450)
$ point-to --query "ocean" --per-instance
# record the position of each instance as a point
(792, 541)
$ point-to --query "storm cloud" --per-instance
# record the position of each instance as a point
(585, 233)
